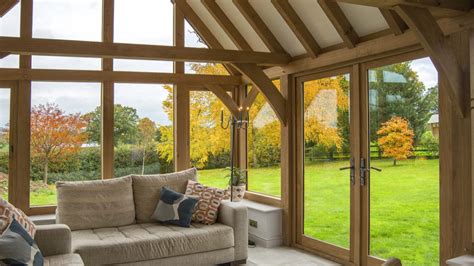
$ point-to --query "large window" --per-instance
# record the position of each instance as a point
(4, 140)
(65, 136)
(264, 173)
(209, 141)
(10, 26)
(143, 129)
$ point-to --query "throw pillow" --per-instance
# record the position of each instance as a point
(8, 212)
(174, 208)
(18, 248)
(209, 201)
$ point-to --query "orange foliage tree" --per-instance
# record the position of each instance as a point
(55, 135)
(396, 139)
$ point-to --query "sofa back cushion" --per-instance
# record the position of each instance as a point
(95, 204)
(147, 188)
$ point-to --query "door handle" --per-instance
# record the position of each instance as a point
(364, 170)
(352, 171)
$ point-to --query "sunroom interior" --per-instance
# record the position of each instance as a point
(339, 131)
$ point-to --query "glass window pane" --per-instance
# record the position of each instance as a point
(67, 20)
(210, 142)
(404, 143)
(65, 134)
(10, 22)
(143, 65)
(10, 61)
(263, 147)
(143, 129)
(143, 22)
(4, 140)
(63, 62)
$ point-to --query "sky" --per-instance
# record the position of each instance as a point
(150, 22)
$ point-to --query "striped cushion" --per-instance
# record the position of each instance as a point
(17, 247)
(8, 212)
(96, 204)
(209, 201)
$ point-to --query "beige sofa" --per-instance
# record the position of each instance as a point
(54, 241)
(110, 224)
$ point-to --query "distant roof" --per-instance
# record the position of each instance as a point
(434, 119)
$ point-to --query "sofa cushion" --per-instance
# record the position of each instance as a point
(64, 259)
(209, 201)
(148, 241)
(95, 204)
(8, 212)
(174, 208)
(146, 190)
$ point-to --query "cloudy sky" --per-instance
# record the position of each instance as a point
(149, 22)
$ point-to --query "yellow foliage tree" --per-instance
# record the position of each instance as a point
(396, 139)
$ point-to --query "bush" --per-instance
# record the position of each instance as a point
(430, 143)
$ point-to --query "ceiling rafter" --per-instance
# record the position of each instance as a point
(226, 25)
(460, 5)
(136, 51)
(202, 30)
(394, 21)
(340, 22)
(297, 26)
(431, 37)
(259, 26)
(7, 5)
(225, 98)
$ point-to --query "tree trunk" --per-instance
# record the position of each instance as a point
(143, 161)
(394, 162)
(45, 175)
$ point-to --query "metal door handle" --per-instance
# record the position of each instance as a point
(352, 172)
(364, 169)
(376, 169)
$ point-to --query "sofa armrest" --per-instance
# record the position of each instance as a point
(53, 239)
(234, 214)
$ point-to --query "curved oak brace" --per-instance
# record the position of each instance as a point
(266, 87)
(225, 98)
(431, 37)
(251, 96)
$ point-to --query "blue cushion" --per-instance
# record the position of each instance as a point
(18, 248)
(174, 208)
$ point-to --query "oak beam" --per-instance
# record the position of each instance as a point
(225, 98)
(266, 87)
(394, 21)
(297, 26)
(118, 76)
(198, 25)
(250, 98)
(226, 25)
(460, 5)
(259, 26)
(136, 51)
(441, 53)
(7, 5)
(340, 22)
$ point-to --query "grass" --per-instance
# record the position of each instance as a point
(404, 205)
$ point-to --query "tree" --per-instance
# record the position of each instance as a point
(396, 139)
(55, 135)
(125, 125)
(147, 134)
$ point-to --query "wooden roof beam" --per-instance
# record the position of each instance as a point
(250, 98)
(340, 22)
(259, 26)
(441, 53)
(297, 26)
(226, 25)
(7, 5)
(225, 98)
(394, 21)
(460, 5)
(136, 51)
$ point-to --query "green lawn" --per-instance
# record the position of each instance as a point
(404, 205)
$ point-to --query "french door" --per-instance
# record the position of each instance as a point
(367, 184)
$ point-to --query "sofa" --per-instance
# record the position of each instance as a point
(110, 223)
(54, 241)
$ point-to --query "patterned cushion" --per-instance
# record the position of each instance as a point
(174, 208)
(17, 247)
(8, 212)
(209, 201)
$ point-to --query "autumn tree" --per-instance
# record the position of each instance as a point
(396, 139)
(146, 139)
(55, 135)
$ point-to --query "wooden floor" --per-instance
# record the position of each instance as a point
(284, 256)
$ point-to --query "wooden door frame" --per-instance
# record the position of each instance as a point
(319, 247)
(365, 257)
